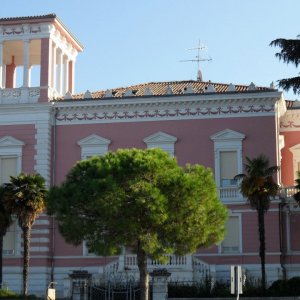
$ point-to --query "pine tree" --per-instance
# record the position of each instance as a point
(290, 53)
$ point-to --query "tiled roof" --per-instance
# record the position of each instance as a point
(291, 104)
(172, 87)
(27, 18)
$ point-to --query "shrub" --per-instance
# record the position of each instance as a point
(290, 287)
(7, 294)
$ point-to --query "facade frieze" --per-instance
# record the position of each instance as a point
(290, 121)
(128, 111)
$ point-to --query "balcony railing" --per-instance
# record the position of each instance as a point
(19, 95)
(233, 193)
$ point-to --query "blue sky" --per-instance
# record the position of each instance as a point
(135, 41)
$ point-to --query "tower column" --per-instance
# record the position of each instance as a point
(1, 65)
(60, 72)
(71, 76)
(26, 64)
(10, 75)
(54, 79)
(66, 75)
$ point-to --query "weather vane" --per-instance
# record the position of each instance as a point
(197, 59)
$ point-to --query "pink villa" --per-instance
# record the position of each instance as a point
(47, 128)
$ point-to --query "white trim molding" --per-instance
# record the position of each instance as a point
(228, 140)
(12, 147)
(240, 236)
(161, 140)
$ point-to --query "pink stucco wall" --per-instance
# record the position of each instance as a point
(26, 134)
(193, 145)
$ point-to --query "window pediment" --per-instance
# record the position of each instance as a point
(161, 140)
(93, 145)
(160, 137)
(226, 135)
(93, 140)
(8, 141)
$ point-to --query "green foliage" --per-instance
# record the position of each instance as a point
(24, 196)
(290, 287)
(258, 184)
(203, 289)
(251, 289)
(290, 53)
(8, 294)
(138, 198)
(297, 195)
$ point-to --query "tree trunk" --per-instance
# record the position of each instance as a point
(144, 276)
(262, 246)
(26, 243)
(1, 260)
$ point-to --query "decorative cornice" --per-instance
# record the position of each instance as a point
(100, 114)
(290, 121)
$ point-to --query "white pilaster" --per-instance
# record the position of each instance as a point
(60, 72)
(66, 75)
(1, 65)
(72, 74)
(29, 76)
(26, 63)
(53, 69)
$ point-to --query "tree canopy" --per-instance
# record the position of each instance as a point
(141, 199)
(290, 53)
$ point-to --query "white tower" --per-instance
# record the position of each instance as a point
(40, 42)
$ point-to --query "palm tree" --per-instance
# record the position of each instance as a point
(25, 196)
(297, 195)
(290, 53)
(5, 222)
(258, 186)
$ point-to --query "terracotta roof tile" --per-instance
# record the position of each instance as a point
(27, 18)
(178, 88)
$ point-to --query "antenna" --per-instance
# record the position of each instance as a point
(197, 59)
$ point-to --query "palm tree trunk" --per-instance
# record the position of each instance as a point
(262, 246)
(144, 276)
(1, 260)
(26, 243)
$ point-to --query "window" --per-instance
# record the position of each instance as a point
(231, 242)
(228, 156)
(163, 141)
(9, 241)
(8, 167)
(93, 145)
(228, 168)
